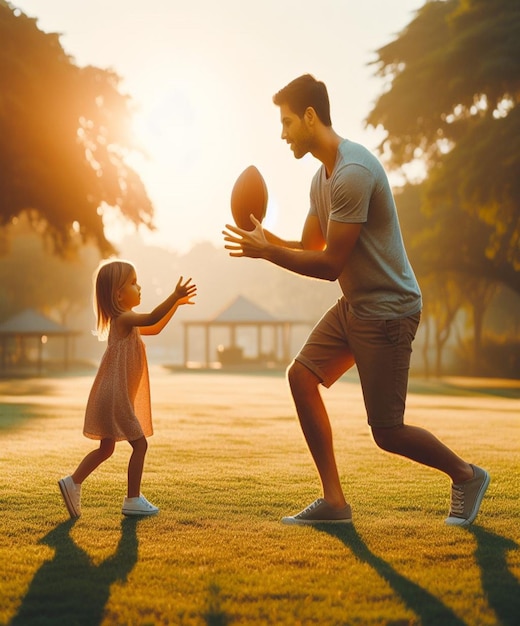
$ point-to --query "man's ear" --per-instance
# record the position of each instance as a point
(310, 116)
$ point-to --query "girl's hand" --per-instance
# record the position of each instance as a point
(185, 291)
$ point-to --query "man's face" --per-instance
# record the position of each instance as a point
(295, 131)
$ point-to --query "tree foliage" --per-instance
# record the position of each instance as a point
(444, 249)
(32, 278)
(65, 136)
(453, 86)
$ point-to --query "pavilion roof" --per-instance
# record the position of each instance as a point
(243, 310)
(31, 322)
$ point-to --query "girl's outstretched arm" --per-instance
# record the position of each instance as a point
(156, 328)
(152, 323)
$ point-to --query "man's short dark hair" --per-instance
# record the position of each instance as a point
(304, 92)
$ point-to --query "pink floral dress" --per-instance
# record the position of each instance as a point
(119, 405)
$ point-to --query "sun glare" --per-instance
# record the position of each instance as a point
(165, 128)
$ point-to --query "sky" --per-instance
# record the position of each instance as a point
(201, 75)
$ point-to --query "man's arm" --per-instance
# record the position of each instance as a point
(278, 241)
(325, 263)
(312, 237)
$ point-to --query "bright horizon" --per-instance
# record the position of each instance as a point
(201, 77)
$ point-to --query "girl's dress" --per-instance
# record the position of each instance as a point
(119, 405)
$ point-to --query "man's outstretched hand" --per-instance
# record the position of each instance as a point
(248, 243)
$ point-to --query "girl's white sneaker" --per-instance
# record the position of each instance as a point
(138, 506)
(71, 495)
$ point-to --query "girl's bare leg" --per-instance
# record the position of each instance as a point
(93, 460)
(135, 466)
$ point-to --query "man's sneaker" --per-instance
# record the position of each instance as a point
(138, 506)
(320, 512)
(71, 495)
(466, 498)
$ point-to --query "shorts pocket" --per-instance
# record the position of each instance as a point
(393, 330)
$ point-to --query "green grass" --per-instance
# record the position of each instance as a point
(227, 461)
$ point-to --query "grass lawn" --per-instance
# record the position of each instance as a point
(227, 461)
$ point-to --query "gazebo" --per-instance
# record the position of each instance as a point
(30, 325)
(242, 313)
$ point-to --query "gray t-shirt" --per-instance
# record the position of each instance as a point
(378, 281)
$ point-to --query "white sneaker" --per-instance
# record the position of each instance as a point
(71, 495)
(138, 506)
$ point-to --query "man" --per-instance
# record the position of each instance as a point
(351, 234)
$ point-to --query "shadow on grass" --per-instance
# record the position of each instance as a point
(69, 589)
(500, 585)
(14, 416)
(215, 616)
(465, 387)
(26, 387)
(429, 609)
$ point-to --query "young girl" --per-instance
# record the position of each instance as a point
(118, 407)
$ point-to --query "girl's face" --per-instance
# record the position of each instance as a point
(129, 295)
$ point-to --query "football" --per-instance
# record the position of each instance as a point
(249, 195)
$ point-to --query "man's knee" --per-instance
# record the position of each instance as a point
(387, 438)
(292, 372)
(301, 378)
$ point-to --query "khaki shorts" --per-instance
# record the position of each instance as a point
(381, 350)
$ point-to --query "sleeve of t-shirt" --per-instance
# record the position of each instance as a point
(351, 191)
(312, 196)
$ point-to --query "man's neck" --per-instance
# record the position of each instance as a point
(326, 149)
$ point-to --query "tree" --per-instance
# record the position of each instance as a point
(452, 103)
(445, 248)
(32, 278)
(64, 138)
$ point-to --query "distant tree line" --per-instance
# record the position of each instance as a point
(32, 277)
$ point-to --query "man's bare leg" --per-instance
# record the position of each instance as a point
(316, 428)
(423, 447)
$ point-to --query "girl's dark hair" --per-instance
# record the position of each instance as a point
(304, 92)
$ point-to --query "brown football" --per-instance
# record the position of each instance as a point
(249, 195)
